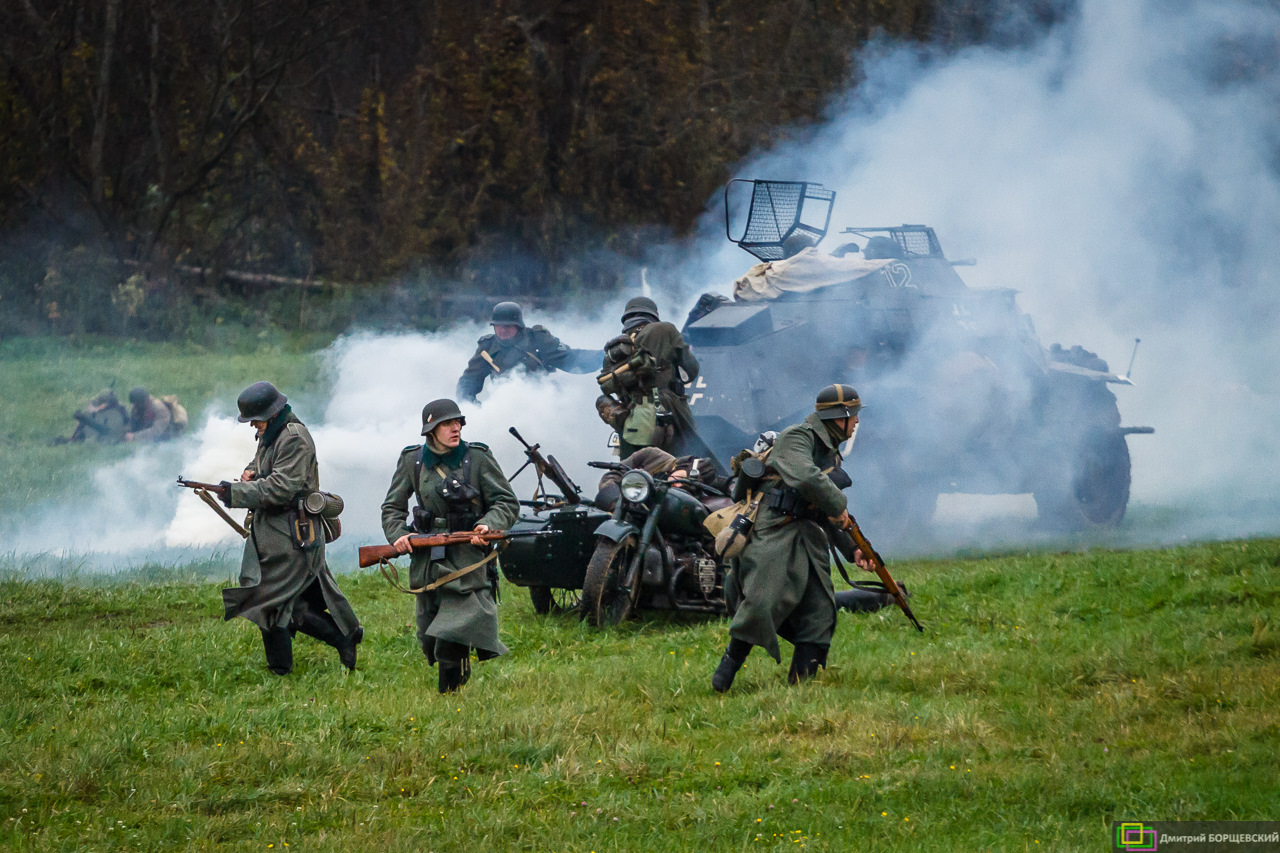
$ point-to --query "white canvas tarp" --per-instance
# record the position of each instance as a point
(801, 273)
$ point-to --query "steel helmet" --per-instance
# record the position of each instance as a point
(837, 401)
(507, 314)
(261, 401)
(639, 309)
(437, 412)
(138, 396)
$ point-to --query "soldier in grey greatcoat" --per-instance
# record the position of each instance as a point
(285, 585)
(781, 583)
(513, 346)
(458, 486)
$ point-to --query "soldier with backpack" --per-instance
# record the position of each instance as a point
(643, 379)
(154, 418)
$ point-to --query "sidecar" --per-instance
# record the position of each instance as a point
(554, 566)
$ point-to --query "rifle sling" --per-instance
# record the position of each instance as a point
(392, 575)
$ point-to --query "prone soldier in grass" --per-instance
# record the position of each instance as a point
(781, 583)
(458, 486)
(285, 583)
(512, 346)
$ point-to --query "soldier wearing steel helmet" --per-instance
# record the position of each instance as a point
(781, 583)
(457, 486)
(512, 346)
(285, 584)
(645, 400)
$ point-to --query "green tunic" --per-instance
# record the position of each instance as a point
(676, 366)
(273, 573)
(781, 584)
(534, 349)
(462, 611)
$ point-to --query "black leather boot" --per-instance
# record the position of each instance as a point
(320, 624)
(454, 660)
(278, 646)
(734, 657)
(805, 661)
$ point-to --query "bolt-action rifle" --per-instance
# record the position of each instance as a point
(877, 565)
(373, 554)
(205, 492)
(547, 466)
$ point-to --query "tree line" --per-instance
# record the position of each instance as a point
(184, 153)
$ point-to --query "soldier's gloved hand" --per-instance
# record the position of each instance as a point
(477, 540)
(224, 493)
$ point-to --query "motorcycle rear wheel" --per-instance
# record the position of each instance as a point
(604, 602)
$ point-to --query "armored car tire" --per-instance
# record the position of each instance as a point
(1091, 490)
(610, 590)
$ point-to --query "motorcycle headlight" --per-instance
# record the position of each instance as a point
(636, 486)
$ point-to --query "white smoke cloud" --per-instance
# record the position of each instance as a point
(1120, 173)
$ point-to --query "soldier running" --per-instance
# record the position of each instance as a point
(285, 584)
(781, 583)
(458, 486)
(512, 347)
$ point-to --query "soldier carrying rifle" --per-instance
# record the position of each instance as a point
(285, 583)
(458, 487)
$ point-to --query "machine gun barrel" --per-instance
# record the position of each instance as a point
(548, 467)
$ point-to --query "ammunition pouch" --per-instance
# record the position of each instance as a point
(463, 500)
(788, 501)
(422, 519)
(628, 370)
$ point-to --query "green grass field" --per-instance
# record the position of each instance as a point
(44, 380)
(1051, 693)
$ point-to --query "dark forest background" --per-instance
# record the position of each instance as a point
(170, 165)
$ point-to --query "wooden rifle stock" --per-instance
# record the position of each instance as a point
(877, 565)
(371, 555)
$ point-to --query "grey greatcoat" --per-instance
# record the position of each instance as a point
(273, 573)
(781, 585)
(463, 610)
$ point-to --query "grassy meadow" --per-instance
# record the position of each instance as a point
(1051, 693)
(44, 380)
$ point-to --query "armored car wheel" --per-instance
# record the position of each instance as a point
(1092, 490)
(610, 591)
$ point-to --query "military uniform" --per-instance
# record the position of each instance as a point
(780, 585)
(674, 365)
(104, 420)
(462, 612)
(284, 588)
(533, 349)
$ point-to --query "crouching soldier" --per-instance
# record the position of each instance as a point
(285, 583)
(458, 486)
(781, 583)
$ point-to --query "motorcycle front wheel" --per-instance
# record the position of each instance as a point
(609, 592)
